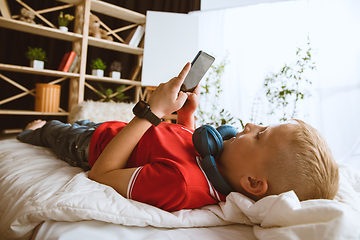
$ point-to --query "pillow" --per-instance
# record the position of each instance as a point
(101, 111)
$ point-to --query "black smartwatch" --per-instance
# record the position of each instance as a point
(142, 110)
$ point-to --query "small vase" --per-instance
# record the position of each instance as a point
(115, 74)
(98, 72)
(47, 97)
(63, 28)
(37, 64)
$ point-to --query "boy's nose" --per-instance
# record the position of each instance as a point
(250, 126)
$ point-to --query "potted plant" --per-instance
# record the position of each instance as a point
(115, 69)
(98, 67)
(36, 56)
(108, 95)
(64, 21)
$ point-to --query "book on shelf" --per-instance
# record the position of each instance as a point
(73, 64)
(135, 36)
(67, 61)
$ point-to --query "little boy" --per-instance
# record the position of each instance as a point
(158, 164)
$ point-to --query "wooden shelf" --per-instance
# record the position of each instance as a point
(46, 72)
(112, 80)
(25, 112)
(39, 30)
(120, 47)
(80, 42)
(112, 10)
(67, 36)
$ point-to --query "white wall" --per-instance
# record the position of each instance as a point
(336, 32)
(261, 38)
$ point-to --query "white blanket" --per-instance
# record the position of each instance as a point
(35, 186)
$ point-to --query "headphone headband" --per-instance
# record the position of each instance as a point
(212, 172)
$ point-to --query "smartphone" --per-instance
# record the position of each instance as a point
(199, 66)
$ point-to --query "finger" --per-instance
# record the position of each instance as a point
(197, 89)
(185, 70)
(182, 97)
(180, 79)
(193, 99)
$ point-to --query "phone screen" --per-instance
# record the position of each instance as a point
(199, 66)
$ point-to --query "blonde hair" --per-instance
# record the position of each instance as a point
(305, 164)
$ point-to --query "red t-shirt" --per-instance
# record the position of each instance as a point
(168, 173)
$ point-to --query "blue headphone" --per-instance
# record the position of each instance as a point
(208, 142)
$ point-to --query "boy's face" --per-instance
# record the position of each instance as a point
(247, 153)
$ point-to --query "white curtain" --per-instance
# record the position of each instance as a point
(260, 39)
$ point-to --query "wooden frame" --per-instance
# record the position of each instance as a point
(4, 9)
(77, 87)
(24, 89)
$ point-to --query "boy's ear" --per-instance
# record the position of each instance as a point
(254, 186)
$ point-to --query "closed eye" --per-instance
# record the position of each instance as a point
(261, 132)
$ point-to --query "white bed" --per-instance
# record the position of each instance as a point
(42, 197)
(37, 191)
(97, 230)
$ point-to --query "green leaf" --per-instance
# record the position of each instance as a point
(108, 92)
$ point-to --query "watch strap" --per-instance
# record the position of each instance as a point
(151, 117)
(142, 110)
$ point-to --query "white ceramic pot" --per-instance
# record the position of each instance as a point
(37, 64)
(115, 74)
(98, 72)
(63, 28)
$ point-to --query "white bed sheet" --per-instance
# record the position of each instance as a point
(95, 230)
(36, 187)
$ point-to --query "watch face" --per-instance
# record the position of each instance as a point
(140, 109)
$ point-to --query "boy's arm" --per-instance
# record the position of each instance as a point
(109, 168)
(185, 115)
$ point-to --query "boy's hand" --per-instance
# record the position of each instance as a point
(167, 98)
(185, 115)
(191, 103)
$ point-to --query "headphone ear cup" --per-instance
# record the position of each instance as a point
(227, 132)
(207, 141)
(212, 172)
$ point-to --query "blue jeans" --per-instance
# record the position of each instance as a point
(69, 141)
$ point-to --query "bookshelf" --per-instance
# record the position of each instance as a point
(80, 42)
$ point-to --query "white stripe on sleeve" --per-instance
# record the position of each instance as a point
(132, 182)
